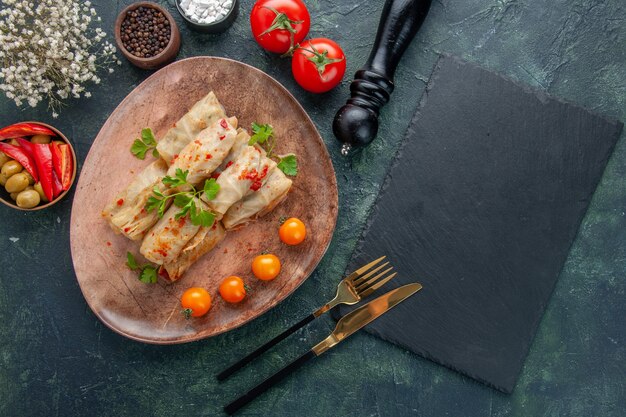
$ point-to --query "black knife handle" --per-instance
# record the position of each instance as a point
(268, 383)
(260, 350)
(356, 123)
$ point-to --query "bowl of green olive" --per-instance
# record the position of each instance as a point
(37, 165)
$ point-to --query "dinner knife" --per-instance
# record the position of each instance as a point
(346, 326)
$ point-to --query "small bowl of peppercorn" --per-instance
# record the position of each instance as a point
(147, 35)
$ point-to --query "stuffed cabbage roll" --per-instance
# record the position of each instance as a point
(164, 242)
(202, 115)
(126, 214)
(205, 240)
(206, 152)
(246, 174)
(258, 203)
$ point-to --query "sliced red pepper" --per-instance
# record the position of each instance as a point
(24, 129)
(27, 145)
(43, 159)
(62, 163)
(21, 156)
(57, 188)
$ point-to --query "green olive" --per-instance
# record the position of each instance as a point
(17, 183)
(3, 179)
(31, 180)
(10, 168)
(4, 158)
(28, 199)
(41, 139)
(39, 190)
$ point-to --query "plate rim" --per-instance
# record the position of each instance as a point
(196, 336)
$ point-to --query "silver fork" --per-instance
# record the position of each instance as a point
(352, 289)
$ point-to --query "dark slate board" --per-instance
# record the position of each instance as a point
(481, 206)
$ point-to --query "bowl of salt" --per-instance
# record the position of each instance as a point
(208, 16)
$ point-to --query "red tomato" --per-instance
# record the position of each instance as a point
(277, 25)
(318, 65)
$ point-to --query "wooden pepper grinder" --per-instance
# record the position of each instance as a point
(356, 123)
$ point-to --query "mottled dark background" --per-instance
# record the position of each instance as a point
(57, 359)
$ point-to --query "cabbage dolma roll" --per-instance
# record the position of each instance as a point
(126, 214)
(205, 240)
(260, 202)
(245, 175)
(164, 242)
(202, 115)
(206, 152)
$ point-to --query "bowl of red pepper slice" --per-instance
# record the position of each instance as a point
(37, 165)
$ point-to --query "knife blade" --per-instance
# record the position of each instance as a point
(346, 326)
(364, 315)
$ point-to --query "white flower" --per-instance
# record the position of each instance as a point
(49, 50)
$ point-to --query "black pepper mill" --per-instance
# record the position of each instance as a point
(356, 123)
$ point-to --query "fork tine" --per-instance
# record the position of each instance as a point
(364, 285)
(354, 275)
(361, 280)
(376, 286)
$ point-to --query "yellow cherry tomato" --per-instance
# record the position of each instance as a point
(266, 267)
(196, 302)
(292, 231)
(232, 289)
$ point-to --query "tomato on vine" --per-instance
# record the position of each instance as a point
(318, 65)
(279, 25)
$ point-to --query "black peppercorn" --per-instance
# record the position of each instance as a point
(145, 32)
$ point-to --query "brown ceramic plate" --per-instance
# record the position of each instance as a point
(152, 313)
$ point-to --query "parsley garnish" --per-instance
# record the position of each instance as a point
(147, 274)
(263, 135)
(185, 200)
(288, 164)
(147, 142)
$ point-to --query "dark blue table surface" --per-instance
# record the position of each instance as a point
(57, 359)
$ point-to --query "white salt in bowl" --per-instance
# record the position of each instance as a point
(206, 24)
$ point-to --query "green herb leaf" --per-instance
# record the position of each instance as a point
(260, 133)
(180, 178)
(161, 210)
(211, 188)
(182, 175)
(131, 262)
(289, 165)
(181, 200)
(148, 137)
(139, 149)
(185, 210)
(152, 203)
(201, 217)
(148, 274)
(147, 142)
(157, 191)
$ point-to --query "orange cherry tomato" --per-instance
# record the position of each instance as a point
(266, 267)
(232, 289)
(196, 302)
(292, 231)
